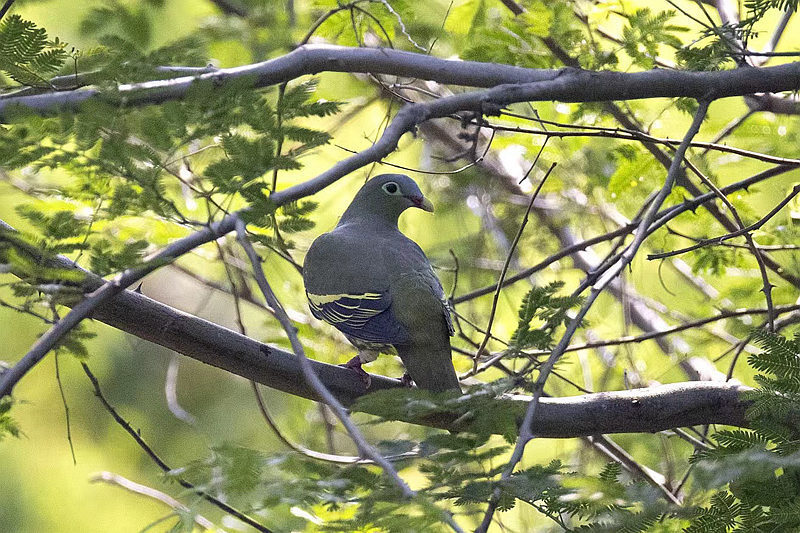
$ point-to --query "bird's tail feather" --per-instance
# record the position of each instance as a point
(430, 370)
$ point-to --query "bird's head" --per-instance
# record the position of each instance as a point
(386, 197)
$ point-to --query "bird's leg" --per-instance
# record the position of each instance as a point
(406, 381)
(355, 365)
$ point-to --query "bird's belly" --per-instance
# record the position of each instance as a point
(368, 351)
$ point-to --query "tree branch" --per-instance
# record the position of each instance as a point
(605, 274)
(663, 217)
(722, 238)
(160, 462)
(150, 492)
(516, 82)
(640, 410)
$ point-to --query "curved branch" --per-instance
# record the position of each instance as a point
(639, 410)
(580, 85)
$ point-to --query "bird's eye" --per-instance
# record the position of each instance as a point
(391, 188)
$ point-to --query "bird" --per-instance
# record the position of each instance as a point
(377, 287)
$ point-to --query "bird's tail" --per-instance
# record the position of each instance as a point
(430, 368)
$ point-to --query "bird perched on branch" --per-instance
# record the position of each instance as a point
(376, 286)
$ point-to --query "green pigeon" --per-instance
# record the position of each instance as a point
(377, 287)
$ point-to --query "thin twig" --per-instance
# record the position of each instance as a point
(160, 462)
(5, 8)
(509, 256)
(682, 327)
(634, 135)
(66, 410)
(150, 492)
(780, 27)
(621, 455)
(732, 126)
(766, 285)
(663, 217)
(238, 290)
(722, 238)
(364, 447)
(458, 170)
(697, 443)
(612, 271)
(171, 391)
(327, 457)
(25, 311)
(762, 247)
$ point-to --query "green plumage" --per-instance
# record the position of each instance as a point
(377, 286)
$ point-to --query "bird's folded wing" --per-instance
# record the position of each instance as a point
(366, 316)
(436, 286)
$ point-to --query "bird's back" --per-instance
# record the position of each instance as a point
(359, 259)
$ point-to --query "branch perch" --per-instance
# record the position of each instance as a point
(583, 85)
(640, 410)
(651, 409)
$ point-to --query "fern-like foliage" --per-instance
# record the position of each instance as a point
(142, 176)
(758, 8)
(540, 314)
(759, 469)
(646, 32)
(8, 426)
(27, 55)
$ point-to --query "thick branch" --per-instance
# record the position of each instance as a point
(577, 85)
(650, 410)
(639, 410)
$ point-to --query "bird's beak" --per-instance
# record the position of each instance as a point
(422, 203)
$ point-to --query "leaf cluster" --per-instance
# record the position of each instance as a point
(27, 55)
(541, 313)
(8, 426)
(646, 33)
(759, 468)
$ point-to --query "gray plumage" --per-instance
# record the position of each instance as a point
(377, 286)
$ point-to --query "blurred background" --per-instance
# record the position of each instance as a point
(183, 408)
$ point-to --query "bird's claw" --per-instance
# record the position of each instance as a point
(406, 380)
(355, 365)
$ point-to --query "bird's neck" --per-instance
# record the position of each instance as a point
(360, 216)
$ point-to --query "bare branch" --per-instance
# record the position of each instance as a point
(635, 135)
(160, 462)
(320, 390)
(609, 273)
(150, 492)
(663, 217)
(6, 6)
(509, 256)
(639, 410)
(777, 33)
(574, 85)
(631, 339)
(563, 85)
(102, 293)
(722, 238)
(766, 284)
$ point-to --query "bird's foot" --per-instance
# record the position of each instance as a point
(355, 365)
(406, 381)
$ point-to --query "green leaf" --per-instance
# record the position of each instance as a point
(540, 315)
(8, 426)
(27, 55)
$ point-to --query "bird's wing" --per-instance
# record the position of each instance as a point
(419, 304)
(366, 316)
(436, 285)
(424, 272)
(346, 287)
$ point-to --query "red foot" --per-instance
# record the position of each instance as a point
(354, 364)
